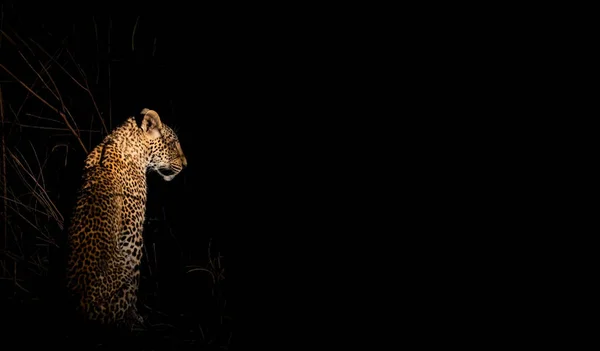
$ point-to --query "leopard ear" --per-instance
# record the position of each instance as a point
(151, 124)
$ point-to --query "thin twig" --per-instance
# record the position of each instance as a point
(86, 87)
(133, 34)
(40, 174)
(24, 43)
(5, 229)
(51, 128)
(89, 91)
(8, 198)
(1, 21)
(38, 191)
(37, 74)
(60, 66)
(109, 79)
(155, 258)
(28, 222)
(97, 51)
(66, 153)
(47, 104)
(149, 265)
(62, 103)
(40, 117)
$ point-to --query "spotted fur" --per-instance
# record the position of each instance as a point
(105, 234)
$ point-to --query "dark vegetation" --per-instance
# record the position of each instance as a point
(64, 84)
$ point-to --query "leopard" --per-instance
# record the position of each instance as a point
(104, 237)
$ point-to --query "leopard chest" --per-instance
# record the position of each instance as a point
(132, 219)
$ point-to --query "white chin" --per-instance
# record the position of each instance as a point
(167, 178)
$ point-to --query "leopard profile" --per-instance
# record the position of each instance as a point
(105, 234)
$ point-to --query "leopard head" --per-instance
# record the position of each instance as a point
(166, 156)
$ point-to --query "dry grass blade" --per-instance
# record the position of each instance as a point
(37, 190)
(25, 206)
(52, 59)
(21, 125)
(89, 92)
(50, 106)
(133, 34)
(216, 271)
(38, 74)
(45, 237)
(61, 67)
(42, 118)
(40, 167)
(5, 228)
(62, 102)
(33, 225)
(203, 270)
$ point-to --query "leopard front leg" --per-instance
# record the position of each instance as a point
(124, 303)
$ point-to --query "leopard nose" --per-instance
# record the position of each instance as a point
(183, 161)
